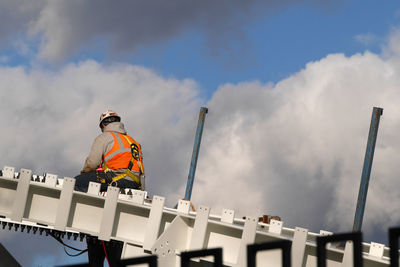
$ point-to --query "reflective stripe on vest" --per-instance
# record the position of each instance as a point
(120, 154)
(116, 149)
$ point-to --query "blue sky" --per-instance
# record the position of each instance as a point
(268, 48)
(276, 45)
(290, 85)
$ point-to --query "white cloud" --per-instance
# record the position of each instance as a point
(296, 149)
(367, 39)
(293, 149)
(55, 115)
(393, 46)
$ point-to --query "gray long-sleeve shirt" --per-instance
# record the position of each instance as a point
(101, 145)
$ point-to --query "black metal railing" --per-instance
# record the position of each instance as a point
(284, 245)
(150, 260)
(357, 251)
(215, 252)
(394, 234)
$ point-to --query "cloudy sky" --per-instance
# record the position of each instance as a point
(290, 86)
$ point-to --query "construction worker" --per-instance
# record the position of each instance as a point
(115, 159)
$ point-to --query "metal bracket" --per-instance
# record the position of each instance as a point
(248, 237)
(94, 188)
(299, 246)
(21, 195)
(227, 216)
(183, 206)
(200, 228)
(8, 172)
(109, 210)
(138, 196)
(275, 227)
(376, 250)
(51, 179)
(154, 222)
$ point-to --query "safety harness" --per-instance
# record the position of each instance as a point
(135, 156)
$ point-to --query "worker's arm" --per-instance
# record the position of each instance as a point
(93, 161)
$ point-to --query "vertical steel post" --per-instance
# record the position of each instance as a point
(366, 172)
(195, 154)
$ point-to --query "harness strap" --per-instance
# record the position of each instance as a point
(127, 173)
(121, 176)
(135, 154)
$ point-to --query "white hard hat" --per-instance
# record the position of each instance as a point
(108, 114)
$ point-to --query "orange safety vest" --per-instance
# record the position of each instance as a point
(125, 153)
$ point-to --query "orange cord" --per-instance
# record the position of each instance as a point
(104, 246)
(105, 252)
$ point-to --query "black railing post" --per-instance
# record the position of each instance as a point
(285, 245)
(394, 234)
(216, 252)
(356, 237)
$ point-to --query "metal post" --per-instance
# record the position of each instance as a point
(366, 172)
(195, 155)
